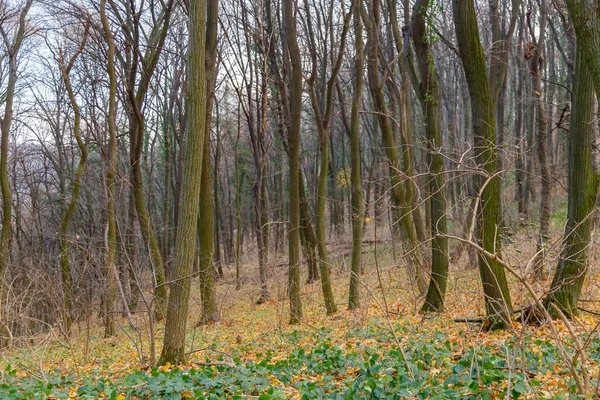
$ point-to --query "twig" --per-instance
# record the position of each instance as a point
(558, 84)
(588, 311)
(229, 363)
(470, 320)
(526, 372)
(581, 386)
(197, 350)
(482, 319)
(214, 364)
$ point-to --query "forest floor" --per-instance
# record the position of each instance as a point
(384, 350)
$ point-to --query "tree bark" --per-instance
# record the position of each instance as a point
(518, 135)
(5, 124)
(177, 310)
(210, 313)
(307, 235)
(295, 87)
(430, 98)
(238, 212)
(111, 229)
(583, 184)
(493, 277)
(406, 131)
(67, 279)
(358, 208)
(205, 235)
(536, 70)
(585, 15)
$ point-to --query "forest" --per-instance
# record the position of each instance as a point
(299, 199)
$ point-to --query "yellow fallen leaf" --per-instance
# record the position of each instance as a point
(166, 367)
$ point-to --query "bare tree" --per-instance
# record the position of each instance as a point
(12, 36)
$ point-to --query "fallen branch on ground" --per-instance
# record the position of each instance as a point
(229, 364)
(482, 319)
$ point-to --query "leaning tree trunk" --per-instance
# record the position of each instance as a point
(148, 234)
(582, 194)
(406, 131)
(402, 204)
(136, 90)
(493, 277)
(67, 279)
(177, 311)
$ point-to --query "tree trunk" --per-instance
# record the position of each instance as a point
(207, 250)
(238, 213)
(585, 15)
(321, 240)
(262, 234)
(397, 188)
(218, 262)
(111, 230)
(132, 251)
(5, 123)
(518, 136)
(493, 277)
(358, 208)
(499, 54)
(295, 87)
(583, 184)
(67, 279)
(177, 310)
(166, 242)
(307, 235)
(430, 98)
(205, 235)
(322, 108)
(528, 188)
(206, 223)
(536, 69)
(136, 87)
(148, 234)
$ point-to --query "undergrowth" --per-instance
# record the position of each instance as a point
(366, 364)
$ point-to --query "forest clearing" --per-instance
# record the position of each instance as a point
(304, 199)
